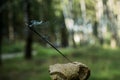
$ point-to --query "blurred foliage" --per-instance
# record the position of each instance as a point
(17, 46)
(52, 12)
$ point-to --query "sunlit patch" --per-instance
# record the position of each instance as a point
(113, 43)
(77, 38)
(69, 23)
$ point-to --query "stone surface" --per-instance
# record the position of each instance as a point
(69, 71)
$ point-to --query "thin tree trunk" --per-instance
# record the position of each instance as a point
(0, 48)
(10, 24)
(83, 10)
(28, 48)
(95, 31)
(1, 31)
(73, 40)
(1, 40)
(64, 30)
(112, 22)
(118, 20)
(68, 18)
(64, 35)
(99, 18)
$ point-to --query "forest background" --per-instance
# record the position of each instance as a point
(84, 30)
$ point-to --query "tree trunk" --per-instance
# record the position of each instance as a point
(99, 18)
(112, 22)
(0, 46)
(64, 36)
(118, 20)
(28, 48)
(0, 49)
(28, 51)
(95, 31)
(73, 40)
(1, 31)
(10, 24)
(83, 10)
(68, 18)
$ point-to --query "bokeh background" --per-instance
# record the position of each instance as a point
(87, 31)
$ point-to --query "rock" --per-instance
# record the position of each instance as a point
(69, 71)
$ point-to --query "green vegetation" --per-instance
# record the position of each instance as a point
(103, 62)
(17, 46)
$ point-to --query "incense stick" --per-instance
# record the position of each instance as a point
(44, 39)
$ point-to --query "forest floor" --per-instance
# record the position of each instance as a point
(103, 63)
